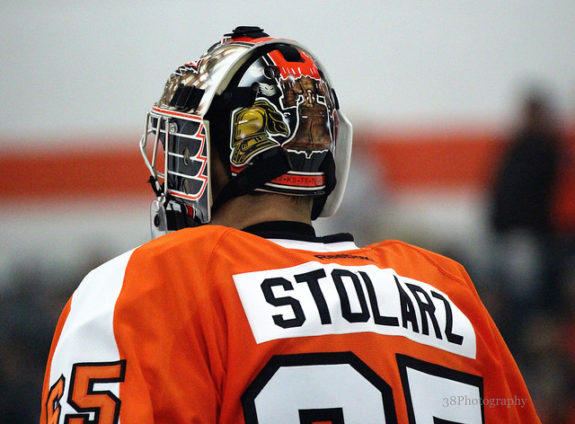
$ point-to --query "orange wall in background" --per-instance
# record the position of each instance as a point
(73, 173)
(448, 159)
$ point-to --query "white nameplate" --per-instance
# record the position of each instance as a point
(315, 299)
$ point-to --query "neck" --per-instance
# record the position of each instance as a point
(243, 211)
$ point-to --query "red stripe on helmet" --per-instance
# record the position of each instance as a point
(292, 179)
(178, 114)
(251, 40)
(297, 180)
(295, 69)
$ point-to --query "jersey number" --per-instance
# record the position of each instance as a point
(93, 406)
(302, 389)
(339, 388)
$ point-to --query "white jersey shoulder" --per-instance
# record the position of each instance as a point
(88, 335)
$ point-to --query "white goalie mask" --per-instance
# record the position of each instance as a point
(266, 106)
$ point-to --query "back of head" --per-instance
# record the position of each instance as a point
(266, 108)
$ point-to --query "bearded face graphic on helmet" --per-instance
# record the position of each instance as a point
(267, 107)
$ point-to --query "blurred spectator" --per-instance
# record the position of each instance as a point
(521, 217)
(532, 257)
(523, 186)
(29, 308)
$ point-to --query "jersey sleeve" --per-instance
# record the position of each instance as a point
(84, 353)
(134, 344)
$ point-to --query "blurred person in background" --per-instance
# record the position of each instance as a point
(29, 309)
(533, 222)
(521, 216)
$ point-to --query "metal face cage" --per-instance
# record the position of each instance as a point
(177, 159)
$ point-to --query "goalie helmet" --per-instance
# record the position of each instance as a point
(266, 106)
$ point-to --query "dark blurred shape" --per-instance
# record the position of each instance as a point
(521, 217)
(524, 184)
(29, 309)
(531, 257)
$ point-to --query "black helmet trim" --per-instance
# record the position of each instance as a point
(271, 166)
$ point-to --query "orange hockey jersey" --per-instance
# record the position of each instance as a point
(217, 325)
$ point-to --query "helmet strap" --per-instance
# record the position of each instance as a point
(270, 165)
(328, 169)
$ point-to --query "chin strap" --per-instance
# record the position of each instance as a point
(163, 217)
(328, 169)
(270, 165)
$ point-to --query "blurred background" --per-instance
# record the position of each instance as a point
(464, 143)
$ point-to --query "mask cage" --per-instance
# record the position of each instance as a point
(178, 160)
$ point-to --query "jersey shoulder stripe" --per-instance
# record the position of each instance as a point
(87, 334)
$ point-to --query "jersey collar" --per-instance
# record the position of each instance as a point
(297, 231)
